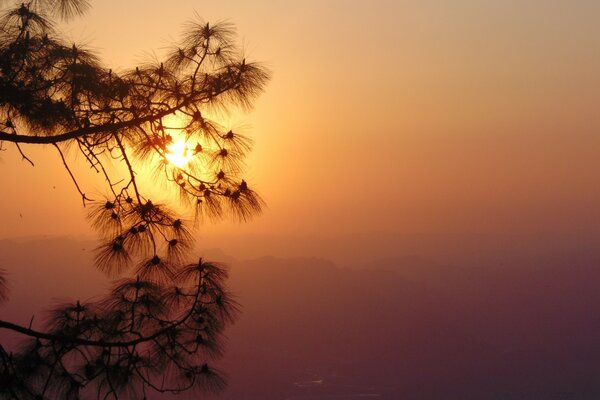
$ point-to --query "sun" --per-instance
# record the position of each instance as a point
(178, 154)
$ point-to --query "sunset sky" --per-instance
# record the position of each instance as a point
(381, 116)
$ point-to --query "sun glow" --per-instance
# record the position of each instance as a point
(178, 154)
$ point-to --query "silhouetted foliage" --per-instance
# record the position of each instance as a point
(162, 323)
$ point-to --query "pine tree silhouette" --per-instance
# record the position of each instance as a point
(161, 325)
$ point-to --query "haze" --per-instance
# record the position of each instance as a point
(431, 173)
(428, 117)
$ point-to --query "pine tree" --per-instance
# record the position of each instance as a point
(161, 325)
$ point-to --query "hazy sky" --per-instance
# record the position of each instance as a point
(393, 116)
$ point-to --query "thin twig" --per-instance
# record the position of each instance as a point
(24, 157)
(62, 156)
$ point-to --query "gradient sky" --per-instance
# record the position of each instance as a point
(390, 116)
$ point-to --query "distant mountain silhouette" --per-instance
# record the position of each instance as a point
(405, 328)
(360, 250)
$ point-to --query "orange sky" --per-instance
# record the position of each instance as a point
(394, 116)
